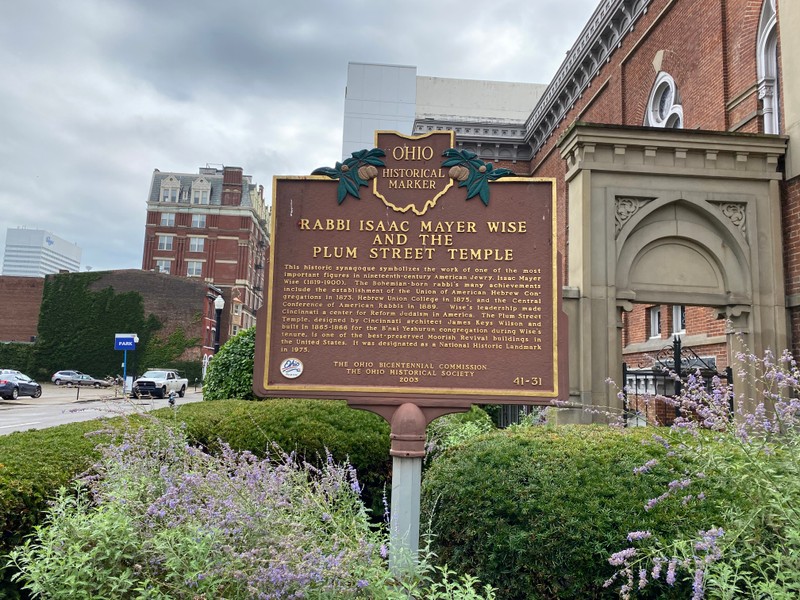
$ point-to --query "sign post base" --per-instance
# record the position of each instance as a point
(404, 523)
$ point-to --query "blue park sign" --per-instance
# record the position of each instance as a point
(125, 341)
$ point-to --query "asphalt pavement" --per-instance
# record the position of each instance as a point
(60, 404)
(62, 394)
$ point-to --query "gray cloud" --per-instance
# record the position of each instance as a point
(96, 94)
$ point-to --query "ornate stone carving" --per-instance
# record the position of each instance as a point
(736, 213)
(625, 208)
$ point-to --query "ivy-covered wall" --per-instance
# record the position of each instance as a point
(81, 313)
(15, 355)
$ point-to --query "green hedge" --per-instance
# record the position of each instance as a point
(34, 464)
(307, 427)
(230, 372)
(536, 512)
(16, 355)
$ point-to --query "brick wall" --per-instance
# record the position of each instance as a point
(709, 48)
(176, 301)
(791, 255)
(22, 299)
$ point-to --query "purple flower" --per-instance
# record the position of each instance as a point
(698, 584)
(671, 572)
(635, 536)
(645, 467)
(621, 557)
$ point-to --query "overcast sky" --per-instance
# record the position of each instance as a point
(95, 94)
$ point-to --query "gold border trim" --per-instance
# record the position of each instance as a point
(331, 390)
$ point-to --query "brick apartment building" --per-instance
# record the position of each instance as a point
(672, 130)
(212, 226)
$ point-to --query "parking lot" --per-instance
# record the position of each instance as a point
(62, 394)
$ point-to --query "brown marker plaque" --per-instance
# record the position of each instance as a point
(413, 293)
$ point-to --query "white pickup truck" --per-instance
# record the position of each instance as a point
(159, 383)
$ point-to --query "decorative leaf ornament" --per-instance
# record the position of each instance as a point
(472, 173)
(354, 172)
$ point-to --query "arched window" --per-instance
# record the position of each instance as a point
(767, 65)
(664, 106)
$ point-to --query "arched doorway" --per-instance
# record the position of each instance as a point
(673, 218)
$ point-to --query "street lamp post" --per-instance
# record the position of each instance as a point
(219, 304)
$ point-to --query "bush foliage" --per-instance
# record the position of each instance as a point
(162, 519)
(34, 464)
(230, 372)
(537, 511)
(15, 355)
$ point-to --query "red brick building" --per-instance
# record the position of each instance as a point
(671, 129)
(212, 226)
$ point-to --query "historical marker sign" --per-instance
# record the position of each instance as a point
(437, 285)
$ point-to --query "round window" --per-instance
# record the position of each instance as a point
(663, 107)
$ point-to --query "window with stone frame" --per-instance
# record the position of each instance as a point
(654, 321)
(664, 107)
(194, 268)
(163, 266)
(165, 242)
(201, 191)
(678, 318)
(197, 244)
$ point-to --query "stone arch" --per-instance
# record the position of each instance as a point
(683, 252)
(676, 217)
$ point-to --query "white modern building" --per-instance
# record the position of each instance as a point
(487, 116)
(36, 253)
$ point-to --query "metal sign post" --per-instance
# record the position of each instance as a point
(125, 342)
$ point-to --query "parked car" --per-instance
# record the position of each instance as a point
(65, 377)
(84, 379)
(158, 383)
(14, 384)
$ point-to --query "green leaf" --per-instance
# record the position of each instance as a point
(483, 191)
(327, 171)
(350, 186)
(498, 173)
(474, 188)
(341, 191)
(452, 162)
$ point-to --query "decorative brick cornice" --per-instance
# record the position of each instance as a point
(603, 34)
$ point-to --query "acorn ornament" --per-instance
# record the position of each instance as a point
(367, 172)
(459, 173)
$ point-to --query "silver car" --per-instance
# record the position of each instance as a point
(66, 377)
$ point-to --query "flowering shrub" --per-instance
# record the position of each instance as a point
(161, 519)
(536, 511)
(752, 548)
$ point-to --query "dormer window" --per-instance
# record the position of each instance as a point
(170, 189)
(201, 191)
(664, 106)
